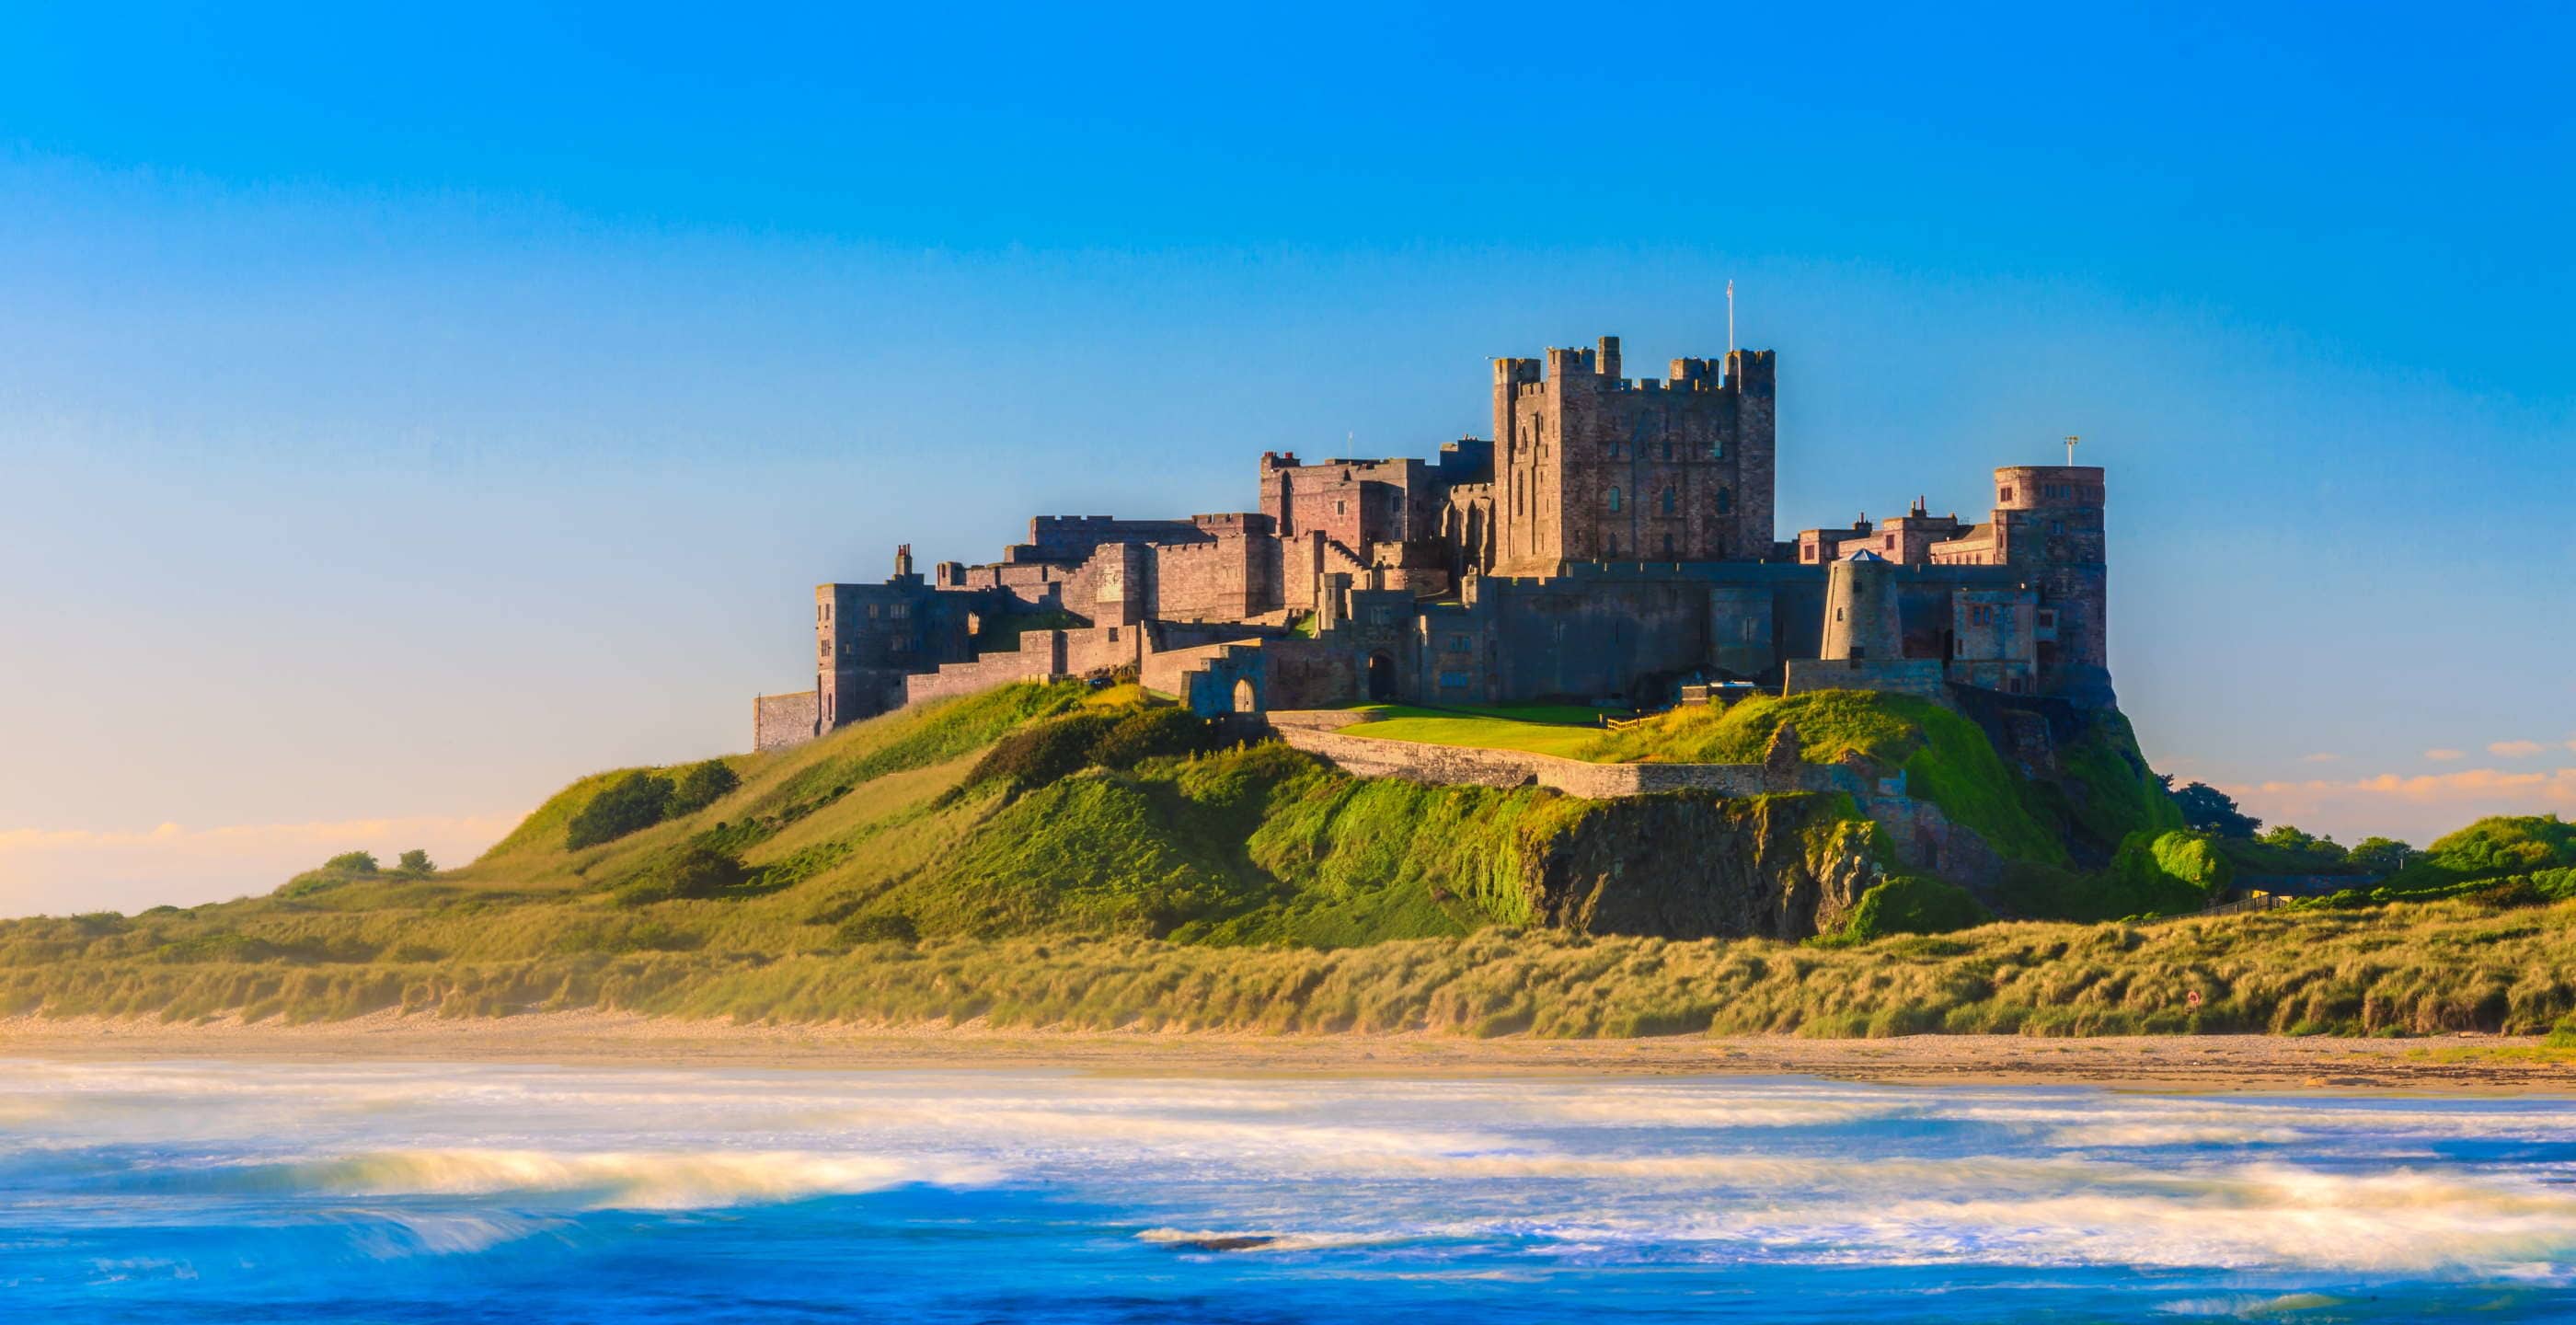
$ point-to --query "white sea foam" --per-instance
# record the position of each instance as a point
(633, 1180)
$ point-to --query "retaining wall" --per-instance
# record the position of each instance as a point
(1455, 765)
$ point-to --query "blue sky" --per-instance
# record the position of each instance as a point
(405, 414)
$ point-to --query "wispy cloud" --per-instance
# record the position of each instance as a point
(2319, 758)
(65, 870)
(2417, 808)
(2445, 756)
(2515, 749)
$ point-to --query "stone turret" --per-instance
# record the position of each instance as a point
(1861, 619)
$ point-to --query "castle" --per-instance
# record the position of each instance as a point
(1613, 539)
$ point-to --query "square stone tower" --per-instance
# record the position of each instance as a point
(1591, 466)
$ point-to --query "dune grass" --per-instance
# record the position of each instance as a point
(2446, 966)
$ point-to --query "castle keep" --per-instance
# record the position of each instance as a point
(1613, 539)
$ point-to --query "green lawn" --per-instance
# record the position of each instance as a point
(1549, 729)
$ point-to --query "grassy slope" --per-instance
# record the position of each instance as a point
(1562, 730)
(1250, 847)
(1946, 758)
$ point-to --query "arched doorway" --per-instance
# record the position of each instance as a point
(1245, 701)
(1381, 678)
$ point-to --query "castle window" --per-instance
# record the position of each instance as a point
(1668, 547)
(1725, 500)
(1669, 499)
(1717, 449)
(1613, 552)
(1614, 499)
(2003, 494)
(1889, 543)
(1341, 508)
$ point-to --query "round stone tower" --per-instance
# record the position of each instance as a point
(1860, 609)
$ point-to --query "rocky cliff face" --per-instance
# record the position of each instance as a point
(1688, 865)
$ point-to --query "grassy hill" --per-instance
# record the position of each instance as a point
(1045, 854)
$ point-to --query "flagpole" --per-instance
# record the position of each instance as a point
(1730, 317)
(2070, 451)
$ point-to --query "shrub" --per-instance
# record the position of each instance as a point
(703, 785)
(693, 871)
(1050, 751)
(631, 804)
(352, 862)
(415, 862)
(1911, 904)
(882, 927)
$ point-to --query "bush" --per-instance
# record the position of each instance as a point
(703, 785)
(631, 804)
(1046, 752)
(693, 871)
(351, 862)
(1910, 904)
(884, 927)
(415, 862)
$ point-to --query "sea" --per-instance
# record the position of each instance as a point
(417, 1192)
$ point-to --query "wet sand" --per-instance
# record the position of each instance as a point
(2446, 1064)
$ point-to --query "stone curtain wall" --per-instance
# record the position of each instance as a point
(1454, 765)
(781, 721)
(1040, 656)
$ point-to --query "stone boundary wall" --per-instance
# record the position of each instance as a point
(1040, 656)
(779, 722)
(1922, 837)
(1455, 765)
(1919, 677)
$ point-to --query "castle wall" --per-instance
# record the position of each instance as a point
(1073, 538)
(1041, 655)
(1919, 677)
(779, 722)
(1450, 765)
(1234, 575)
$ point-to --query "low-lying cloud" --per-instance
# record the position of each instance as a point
(60, 871)
(2416, 808)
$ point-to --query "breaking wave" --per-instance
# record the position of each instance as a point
(617, 1180)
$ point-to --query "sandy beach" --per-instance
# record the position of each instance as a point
(2227, 1062)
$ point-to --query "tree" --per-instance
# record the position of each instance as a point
(632, 803)
(703, 785)
(2289, 838)
(415, 862)
(2382, 855)
(2210, 810)
(352, 862)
